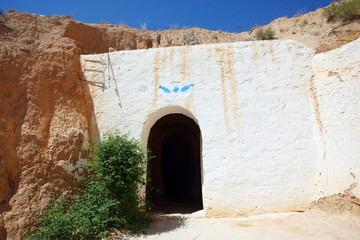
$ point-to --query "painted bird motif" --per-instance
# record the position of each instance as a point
(176, 88)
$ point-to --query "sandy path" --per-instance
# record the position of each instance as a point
(314, 224)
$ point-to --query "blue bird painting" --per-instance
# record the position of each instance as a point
(166, 90)
(185, 88)
(176, 88)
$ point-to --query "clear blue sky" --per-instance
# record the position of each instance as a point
(160, 14)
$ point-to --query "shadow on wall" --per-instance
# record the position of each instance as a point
(90, 111)
(3, 233)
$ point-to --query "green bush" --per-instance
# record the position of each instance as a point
(344, 10)
(262, 34)
(55, 223)
(109, 198)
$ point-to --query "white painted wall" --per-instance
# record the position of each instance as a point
(254, 104)
(337, 87)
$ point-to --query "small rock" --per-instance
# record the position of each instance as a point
(128, 46)
(191, 39)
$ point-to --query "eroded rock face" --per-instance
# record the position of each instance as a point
(44, 132)
(44, 118)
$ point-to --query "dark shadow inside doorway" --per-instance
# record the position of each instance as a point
(175, 170)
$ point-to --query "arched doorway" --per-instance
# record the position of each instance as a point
(175, 170)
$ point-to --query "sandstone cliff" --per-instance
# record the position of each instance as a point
(44, 126)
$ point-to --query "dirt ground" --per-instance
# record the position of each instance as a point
(312, 224)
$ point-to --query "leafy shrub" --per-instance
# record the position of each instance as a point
(120, 164)
(344, 10)
(57, 222)
(267, 34)
(109, 199)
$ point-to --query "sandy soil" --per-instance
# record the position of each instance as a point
(313, 224)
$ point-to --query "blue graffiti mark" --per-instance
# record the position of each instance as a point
(176, 89)
(185, 88)
(166, 90)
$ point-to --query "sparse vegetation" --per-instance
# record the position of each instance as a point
(55, 19)
(2, 17)
(282, 30)
(304, 23)
(11, 10)
(174, 26)
(316, 33)
(300, 12)
(348, 36)
(109, 199)
(265, 34)
(143, 25)
(122, 24)
(104, 22)
(344, 10)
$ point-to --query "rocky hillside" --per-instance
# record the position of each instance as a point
(29, 31)
(45, 108)
(315, 31)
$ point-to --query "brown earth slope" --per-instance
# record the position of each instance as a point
(45, 114)
(43, 120)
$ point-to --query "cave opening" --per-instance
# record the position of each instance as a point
(175, 169)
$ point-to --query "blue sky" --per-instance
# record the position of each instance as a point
(223, 15)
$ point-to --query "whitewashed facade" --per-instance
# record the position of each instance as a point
(280, 126)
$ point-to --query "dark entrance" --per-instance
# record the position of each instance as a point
(175, 171)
